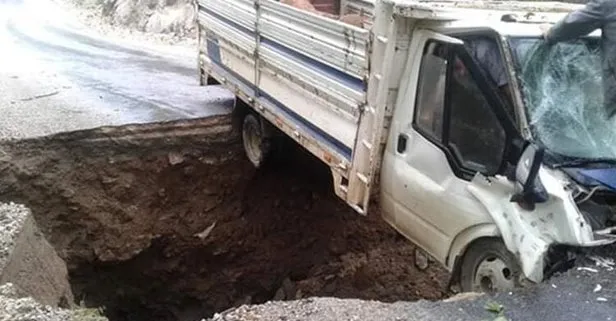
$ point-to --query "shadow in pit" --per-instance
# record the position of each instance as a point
(171, 222)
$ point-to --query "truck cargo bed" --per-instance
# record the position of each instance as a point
(304, 68)
(329, 85)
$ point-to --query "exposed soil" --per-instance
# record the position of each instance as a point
(156, 226)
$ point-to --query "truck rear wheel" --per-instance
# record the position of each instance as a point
(202, 77)
(256, 142)
(489, 267)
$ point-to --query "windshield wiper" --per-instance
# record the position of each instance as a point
(584, 162)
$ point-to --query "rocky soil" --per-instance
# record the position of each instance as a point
(16, 307)
(28, 261)
(161, 21)
(34, 284)
(170, 222)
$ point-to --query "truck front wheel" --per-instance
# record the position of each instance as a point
(256, 142)
(488, 267)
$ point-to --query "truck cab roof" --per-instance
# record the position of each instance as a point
(507, 29)
(508, 18)
(447, 9)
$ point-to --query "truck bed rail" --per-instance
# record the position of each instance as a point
(304, 69)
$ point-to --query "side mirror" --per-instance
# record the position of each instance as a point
(529, 189)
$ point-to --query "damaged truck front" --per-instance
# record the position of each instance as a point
(561, 94)
(488, 147)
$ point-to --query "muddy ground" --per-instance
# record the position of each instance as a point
(171, 222)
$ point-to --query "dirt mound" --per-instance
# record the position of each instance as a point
(170, 222)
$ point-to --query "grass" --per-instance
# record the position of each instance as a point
(82, 314)
(497, 310)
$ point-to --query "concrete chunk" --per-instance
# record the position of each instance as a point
(28, 261)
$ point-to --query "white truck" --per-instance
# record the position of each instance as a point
(496, 176)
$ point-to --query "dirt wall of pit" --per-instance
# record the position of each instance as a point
(171, 222)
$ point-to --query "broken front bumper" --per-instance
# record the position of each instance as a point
(603, 237)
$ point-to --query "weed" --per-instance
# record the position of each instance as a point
(497, 310)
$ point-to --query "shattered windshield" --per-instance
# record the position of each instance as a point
(562, 89)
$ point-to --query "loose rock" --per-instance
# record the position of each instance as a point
(28, 261)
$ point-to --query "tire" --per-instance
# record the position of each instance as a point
(202, 81)
(489, 267)
(256, 144)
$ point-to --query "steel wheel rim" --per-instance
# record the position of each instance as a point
(493, 275)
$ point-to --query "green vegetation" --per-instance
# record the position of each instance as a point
(497, 310)
(88, 314)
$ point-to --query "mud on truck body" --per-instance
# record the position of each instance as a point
(491, 183)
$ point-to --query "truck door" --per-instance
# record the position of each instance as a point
(448, 126)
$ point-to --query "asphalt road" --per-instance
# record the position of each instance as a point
(57, 75)
(584, 293)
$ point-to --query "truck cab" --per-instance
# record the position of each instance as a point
(447, 179)
(481, 144)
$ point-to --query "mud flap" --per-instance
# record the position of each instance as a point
(519, 236)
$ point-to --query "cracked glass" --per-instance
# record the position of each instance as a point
(563, 93)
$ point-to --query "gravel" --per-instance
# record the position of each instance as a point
(320, 309)
(14, 304)
(15, 308)
(12, 217)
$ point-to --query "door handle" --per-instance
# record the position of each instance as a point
(401, 145)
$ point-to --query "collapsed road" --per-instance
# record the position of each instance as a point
(160, 218)
(155, 224)
(164, 219)
(169, 221)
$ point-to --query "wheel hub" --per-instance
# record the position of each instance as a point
(493, 275)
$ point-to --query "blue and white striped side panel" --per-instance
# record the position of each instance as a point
(311, 69)
(235, 49)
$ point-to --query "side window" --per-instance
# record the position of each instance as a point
(431, 92)
(485, 50)
(453, 111)
(476, 136)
